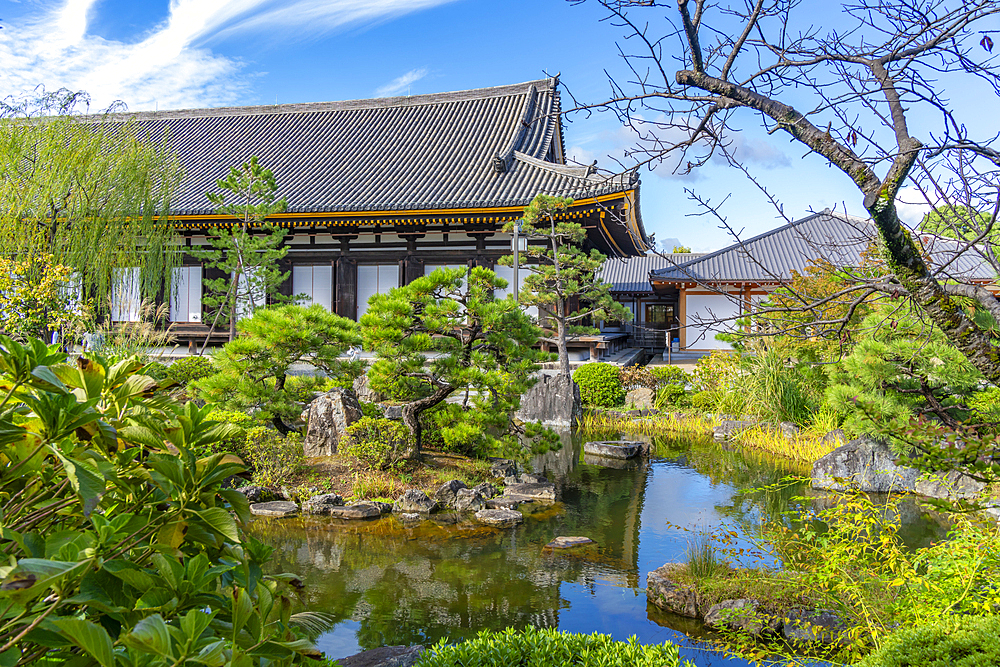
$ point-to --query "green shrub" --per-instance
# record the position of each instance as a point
(600, 385)
(378, 443)
(274, 459)
(704, 400)
(237, 442)
(549, 648)
(670, 375)
(370, 409)
(986, 404)
(954, 641)
(156, 370)
(189, 369)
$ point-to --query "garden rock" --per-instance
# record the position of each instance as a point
(641, 398)
(391, 411)
(504, 503)
(667, 593)
(542, 491)
(553, 401)
(500, 518)
(277, 508)
(257, 494)
(952, 485)
(865, 464)
(385, 656)
(414, 500)
(741, 615)
(322, 504)
(329, 417)
(364, 391)
(789, 429)
(445, 495)
(804, 625)
(355, 511)
(410, 517)
(502, 468)
(835, 437)
(567, 542)
(531, 478)
(617, 449)
(606, 462)
(730, 427)
(511, 479)
(486, 490)
(468, 500)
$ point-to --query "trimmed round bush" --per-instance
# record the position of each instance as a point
(670, 375)
(956, 641)
(550, 648)
(378, 443)
(600, 385)
(189, 369)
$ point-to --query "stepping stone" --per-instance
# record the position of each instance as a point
(536, 491)
(275, 508)
(564, 542)
(621, 449)
(359, 511)
(501, 518)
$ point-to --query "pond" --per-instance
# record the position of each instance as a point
(388, 584)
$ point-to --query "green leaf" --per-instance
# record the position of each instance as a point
(221, 521)
(131, 574)
(151, 634)
(88, 484)
(157, 599)
(90, 637)
(34, 575)
(238, 501)
(242, 608)
(10, 657)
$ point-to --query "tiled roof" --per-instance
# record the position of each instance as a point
(840, 239)
(470, 149)
(631, 274)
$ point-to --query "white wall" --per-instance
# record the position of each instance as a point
(185, 297)
(316, 282)
(375, 279)
(705, 308)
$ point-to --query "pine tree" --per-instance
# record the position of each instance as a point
(561, 273)
(446, 333)
(249, 260)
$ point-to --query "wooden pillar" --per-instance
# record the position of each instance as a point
(413, 268)
(747, 305)
(346, 281)
(681, 318)
(285, 266)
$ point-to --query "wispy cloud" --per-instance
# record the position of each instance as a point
(172, 65)
(401, 83)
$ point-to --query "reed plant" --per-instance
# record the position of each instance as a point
(367, 486)
(806, 446)
(702, 559)
(693, 424)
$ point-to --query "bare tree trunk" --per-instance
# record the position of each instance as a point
(561, 338)
(411, 417)
(276, 420)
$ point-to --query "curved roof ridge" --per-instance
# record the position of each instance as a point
(346, 105)
(506, 155)
(564, 169)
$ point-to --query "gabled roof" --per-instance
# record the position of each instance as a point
(840, 239)
(485, 148)
(631, 274)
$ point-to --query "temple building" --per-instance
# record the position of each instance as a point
(382, 191)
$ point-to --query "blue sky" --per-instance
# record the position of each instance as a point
(160, 54)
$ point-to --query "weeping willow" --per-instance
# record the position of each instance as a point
(92, 194)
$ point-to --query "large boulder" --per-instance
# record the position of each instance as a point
(364, 392)
(258, 494)
(553, 401)
(469, 500)
(445, 495)
(864, 464)
(356, 511)
(741, 615)
(486, 490)
(641, 398)
(543, 491)
(665, 591)
(613, 449)
(329, 417)
(414, 500)
(951, 485)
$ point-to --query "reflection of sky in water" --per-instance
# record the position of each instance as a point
(455, 586)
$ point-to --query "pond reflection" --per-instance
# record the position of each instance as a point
(386, 582)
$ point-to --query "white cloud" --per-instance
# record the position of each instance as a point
(911, 206)
(170, 66)
(401, 83)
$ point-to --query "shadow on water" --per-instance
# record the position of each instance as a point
(386, 582)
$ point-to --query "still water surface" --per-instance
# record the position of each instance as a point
(387, 583)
